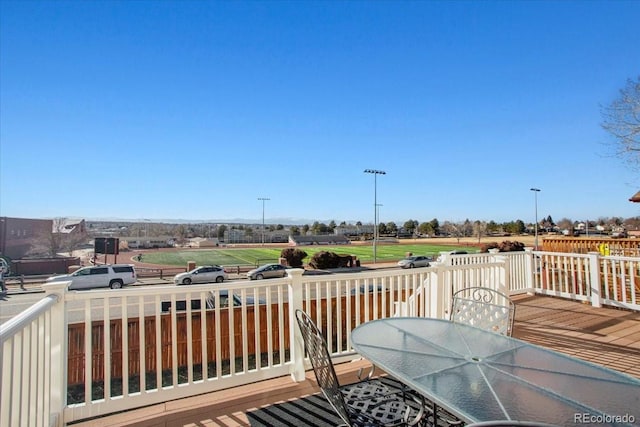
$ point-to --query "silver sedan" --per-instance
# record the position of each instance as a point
(415, 261)
(204, 274)
(268, 271)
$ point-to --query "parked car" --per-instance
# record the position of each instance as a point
(211, 301)
(456, 252)
(268, 271)
(415, 261)
(203, 274)
(112, 276)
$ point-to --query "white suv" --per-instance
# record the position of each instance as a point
(112, 276)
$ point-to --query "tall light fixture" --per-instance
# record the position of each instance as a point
(264, 199)
(375, 207)
(535, 197)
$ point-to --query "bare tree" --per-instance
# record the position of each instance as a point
(466, 228)
(566, 224)
(73, 241)
(453, 229)
(56, 240)
(480, 229)
(622, 120)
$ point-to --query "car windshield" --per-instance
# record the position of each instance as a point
(82, 272)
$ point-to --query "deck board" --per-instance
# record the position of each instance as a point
(606, 336)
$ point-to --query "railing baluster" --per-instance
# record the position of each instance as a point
(88, 351)
(142, 346)
(281, 349)
(174, 338)
(203, 339)
(158, 339)
(269, 308)
(125, 347)
(106, 322)
(189, 347)
(41, 416)
(244, 332)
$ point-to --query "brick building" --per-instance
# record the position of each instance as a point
(18, 235)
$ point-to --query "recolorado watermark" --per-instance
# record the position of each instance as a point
(587, 418)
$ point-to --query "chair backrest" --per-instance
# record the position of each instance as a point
(484, 308)
(316, 348)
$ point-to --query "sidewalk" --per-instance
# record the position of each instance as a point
(20, 285)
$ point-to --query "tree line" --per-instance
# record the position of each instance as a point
(410, 227)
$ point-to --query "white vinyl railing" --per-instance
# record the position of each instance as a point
(143, 345)
(31, 363)
(599, 280)
(621, 281)
(190, 347)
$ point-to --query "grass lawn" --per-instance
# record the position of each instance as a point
(258, 256)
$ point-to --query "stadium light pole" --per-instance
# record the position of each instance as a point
(535, 198)
(378, 205)
(264, 199)
(375, 173)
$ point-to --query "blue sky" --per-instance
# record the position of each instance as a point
(193, 110)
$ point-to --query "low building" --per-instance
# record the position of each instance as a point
(321, 239)
(202, 242)
(145, 243)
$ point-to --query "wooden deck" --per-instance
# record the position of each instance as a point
(606, 336)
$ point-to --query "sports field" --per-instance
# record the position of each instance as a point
(262, 255)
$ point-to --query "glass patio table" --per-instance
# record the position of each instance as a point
(483, 376)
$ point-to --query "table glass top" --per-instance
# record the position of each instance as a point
(482, 376)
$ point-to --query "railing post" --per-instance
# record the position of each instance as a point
(529, 270)
(445, 257)
(58, 355)
(594, 267)
(435, 293)
(502, 273)
(297, 343)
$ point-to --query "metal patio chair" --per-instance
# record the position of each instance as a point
(367, 402)
(484, 308)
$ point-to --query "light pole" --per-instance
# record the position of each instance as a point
(535, 197)
(375, 207)
(264, 199)
(146, 233)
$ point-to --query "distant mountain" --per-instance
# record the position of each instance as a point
(283, 221)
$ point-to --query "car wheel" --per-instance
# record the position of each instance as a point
(411, 265)
(219, 279)
(186, 281)
(115, 284)
(259, 277)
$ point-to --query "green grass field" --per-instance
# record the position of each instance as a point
(257, 256)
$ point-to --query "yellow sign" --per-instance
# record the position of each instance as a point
(604, 250)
